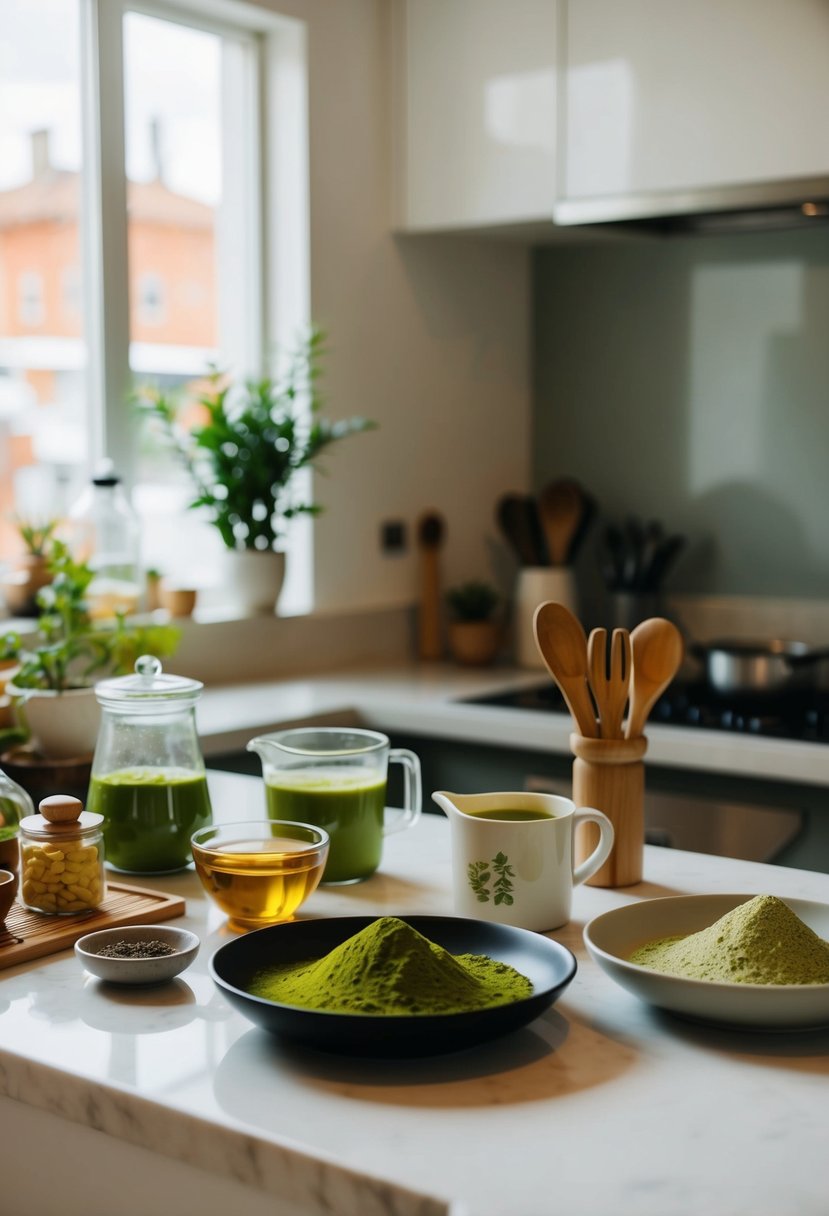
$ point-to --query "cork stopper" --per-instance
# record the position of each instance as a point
(60, 808)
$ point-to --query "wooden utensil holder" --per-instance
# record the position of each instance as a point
(609, 775)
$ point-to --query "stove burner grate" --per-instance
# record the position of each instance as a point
(802, 716)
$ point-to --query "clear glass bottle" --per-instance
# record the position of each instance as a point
(102, 529)
(148, 777)
(62, 858)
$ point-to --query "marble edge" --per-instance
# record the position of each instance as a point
(318, 1182)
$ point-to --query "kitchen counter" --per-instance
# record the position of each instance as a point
(601, 1106)
(428, 699)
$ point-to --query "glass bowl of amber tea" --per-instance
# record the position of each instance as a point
(259, 872)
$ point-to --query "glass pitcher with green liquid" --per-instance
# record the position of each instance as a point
(148, 777)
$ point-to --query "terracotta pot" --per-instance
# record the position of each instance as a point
(474, 643)
(21, 585)
(179, 601)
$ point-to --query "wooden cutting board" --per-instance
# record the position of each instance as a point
(27, 935)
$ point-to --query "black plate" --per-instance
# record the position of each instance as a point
(547, 964)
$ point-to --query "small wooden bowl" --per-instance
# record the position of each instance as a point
(8, 890)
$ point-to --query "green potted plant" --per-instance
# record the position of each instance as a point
(29, 570)
(244, 457)
(474, 627)
(153, 578)
(52, 690)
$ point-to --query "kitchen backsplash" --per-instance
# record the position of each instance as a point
(687, 380)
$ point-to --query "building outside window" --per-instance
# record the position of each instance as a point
(134, 247)
(152, 307)
(30, 311)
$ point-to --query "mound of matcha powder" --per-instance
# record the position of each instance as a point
(760, 942)
(390, 968)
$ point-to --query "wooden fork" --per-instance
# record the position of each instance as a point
(609, 683)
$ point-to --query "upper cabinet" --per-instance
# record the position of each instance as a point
(476, 106)
(511, 112)
(687, 95)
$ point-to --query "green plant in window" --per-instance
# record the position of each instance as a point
(72, 649)
(36, 536)
(243, 457)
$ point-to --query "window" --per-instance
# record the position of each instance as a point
(143, 149)
(44, 433)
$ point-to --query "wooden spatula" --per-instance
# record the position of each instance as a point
(657, 649)
(430, 535)
(561, 505)
(517, 517)
(562, 645)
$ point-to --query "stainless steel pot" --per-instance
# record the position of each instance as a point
(755, 667)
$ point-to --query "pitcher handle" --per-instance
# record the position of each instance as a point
(600, 854)
(412, 798)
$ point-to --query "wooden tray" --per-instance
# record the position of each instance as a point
(27, 935)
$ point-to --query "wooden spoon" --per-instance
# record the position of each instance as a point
(658, 649)
(562, 645)
(430, 536)
(609, 683)
(561, 505)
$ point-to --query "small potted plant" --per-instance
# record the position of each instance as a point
(474, 628)
(153, 589)
(52, 691)
(244, 456)
(29, 571)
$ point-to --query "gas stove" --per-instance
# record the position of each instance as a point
(803, 716)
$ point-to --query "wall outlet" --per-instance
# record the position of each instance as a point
(393, 538)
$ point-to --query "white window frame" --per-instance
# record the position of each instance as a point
(265, 281)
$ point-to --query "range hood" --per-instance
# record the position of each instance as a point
(750, 207)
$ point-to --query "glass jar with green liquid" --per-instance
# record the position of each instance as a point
(148, 778)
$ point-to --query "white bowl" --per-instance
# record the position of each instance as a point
(612, 937)
(137, 970)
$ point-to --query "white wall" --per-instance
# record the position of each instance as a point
(429, 336)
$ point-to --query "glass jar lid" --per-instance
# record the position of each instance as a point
(148, 686)
(61, 817)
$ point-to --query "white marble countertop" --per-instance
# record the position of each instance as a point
(601, 1106)
(428, 699)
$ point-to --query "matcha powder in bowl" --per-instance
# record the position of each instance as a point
(760, 942)
(390, 968)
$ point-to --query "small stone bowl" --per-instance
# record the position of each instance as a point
(137, 970)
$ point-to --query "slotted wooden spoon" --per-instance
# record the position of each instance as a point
(609, 682)
(562, 645)
(657, 648)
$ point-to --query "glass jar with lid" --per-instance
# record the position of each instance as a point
(62, 858)
(148, 778)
